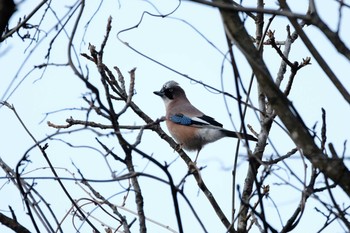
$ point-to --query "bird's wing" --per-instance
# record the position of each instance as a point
(209, 120)
(198, 121)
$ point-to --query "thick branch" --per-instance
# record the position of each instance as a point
(7, 8)
(332, 168)
(13, 224)
(334, 79)
(333, 37)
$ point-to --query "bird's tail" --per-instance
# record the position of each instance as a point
(239, 135)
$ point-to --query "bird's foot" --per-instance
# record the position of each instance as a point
(192, 167)
(178, 147)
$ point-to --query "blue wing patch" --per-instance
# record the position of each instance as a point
(181, 119)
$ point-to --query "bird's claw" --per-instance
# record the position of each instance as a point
(192, 167)
(178, 147)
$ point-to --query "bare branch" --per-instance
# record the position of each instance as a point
(317, 55)
(12, 224)
(7, 8)
(283, 107)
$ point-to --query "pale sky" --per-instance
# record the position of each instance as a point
(173, 43)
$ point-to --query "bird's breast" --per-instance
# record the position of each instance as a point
(191, 137)
(187, 136)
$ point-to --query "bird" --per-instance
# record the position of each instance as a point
(190, 127)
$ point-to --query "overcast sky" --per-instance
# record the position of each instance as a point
(173, 42)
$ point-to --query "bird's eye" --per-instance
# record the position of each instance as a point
(169, 90)
(169, 93)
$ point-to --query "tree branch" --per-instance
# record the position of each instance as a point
(7, 8)
(334, 169)
(13, 224)
(334, 79)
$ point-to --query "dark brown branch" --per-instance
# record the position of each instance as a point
(7, 8)
(334, 169)
(43, 152)
(296, 216)
(341, 214)
(233, 6)
(293, 65)
(123, 220)
(271, 41)
(30, 197)
(333, 37)
(108, 30)
(279, 159)
(12, 224)
(122, 142)
(21, 23)
(323, 130)
(195, 171)
(71, 122)
(334, 79)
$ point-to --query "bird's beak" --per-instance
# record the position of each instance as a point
(160, 93)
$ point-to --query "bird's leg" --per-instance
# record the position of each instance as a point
(195, 161)
(193, 165)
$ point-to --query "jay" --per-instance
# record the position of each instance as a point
(190, 127)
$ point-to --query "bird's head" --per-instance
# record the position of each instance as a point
(170, 91)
